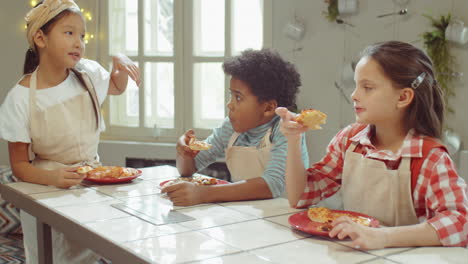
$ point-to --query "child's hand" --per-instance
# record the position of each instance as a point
(184, 193)
(290, 129)
(363, 237)
(124, 67)
(182, 147)
(66, 177)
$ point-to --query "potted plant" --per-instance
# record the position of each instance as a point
(332, 12)
(438, 48)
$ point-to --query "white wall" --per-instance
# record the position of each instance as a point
(324, 48)
(12, 51)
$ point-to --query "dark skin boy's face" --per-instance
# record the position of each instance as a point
(245, 111)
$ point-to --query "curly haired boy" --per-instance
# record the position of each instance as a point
(249, 138)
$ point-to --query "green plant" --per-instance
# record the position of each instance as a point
(437, 47)
(332, 11)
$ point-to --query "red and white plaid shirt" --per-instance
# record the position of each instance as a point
(440, 195)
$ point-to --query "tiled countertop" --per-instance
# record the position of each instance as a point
(233, 232)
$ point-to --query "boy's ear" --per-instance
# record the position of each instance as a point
(406, 97)
(270, 107)
(39, 39)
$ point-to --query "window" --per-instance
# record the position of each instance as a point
(179, 46)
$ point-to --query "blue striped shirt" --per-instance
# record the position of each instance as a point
(274, 171)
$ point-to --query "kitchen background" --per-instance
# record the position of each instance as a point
(322, 55)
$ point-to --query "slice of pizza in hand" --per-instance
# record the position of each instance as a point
(311, 118)
(84, 169)
(198, 145)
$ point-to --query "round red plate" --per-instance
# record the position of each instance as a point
(115, 180)
(217, 182)
(301, 221)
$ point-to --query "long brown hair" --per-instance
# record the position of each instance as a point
(32, 58)
(402, 63)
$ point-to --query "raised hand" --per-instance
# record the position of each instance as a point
(123, 67)
(182, 147)
(290, 129)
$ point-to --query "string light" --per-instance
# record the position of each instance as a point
(88, 36)
(33, 3)
(88, 16)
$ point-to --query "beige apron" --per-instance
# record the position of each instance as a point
(369, 187)
(248, 162)
(62, 135)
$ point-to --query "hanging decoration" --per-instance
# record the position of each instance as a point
(337, 7)
(332, 12)
(401, 12)
(438, 49)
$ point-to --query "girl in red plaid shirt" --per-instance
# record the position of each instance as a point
(389, 164)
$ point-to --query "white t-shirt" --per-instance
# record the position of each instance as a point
(14, 112)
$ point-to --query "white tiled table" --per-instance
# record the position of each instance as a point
(235, 232)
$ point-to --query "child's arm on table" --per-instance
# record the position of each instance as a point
(363, 237)
(19, 160)
(122, 68)
(185, 194)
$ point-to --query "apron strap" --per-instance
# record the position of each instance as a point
(32, 100)
(233, 139)
(265, 141)
(89, 86)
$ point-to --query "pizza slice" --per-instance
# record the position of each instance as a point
(198, 145)
(197, 180)
(107, 172)
(327, 216)
(311, 118)
(84, 169)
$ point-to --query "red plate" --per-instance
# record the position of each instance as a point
(301, 221)
(115, 180)
(217, 182)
